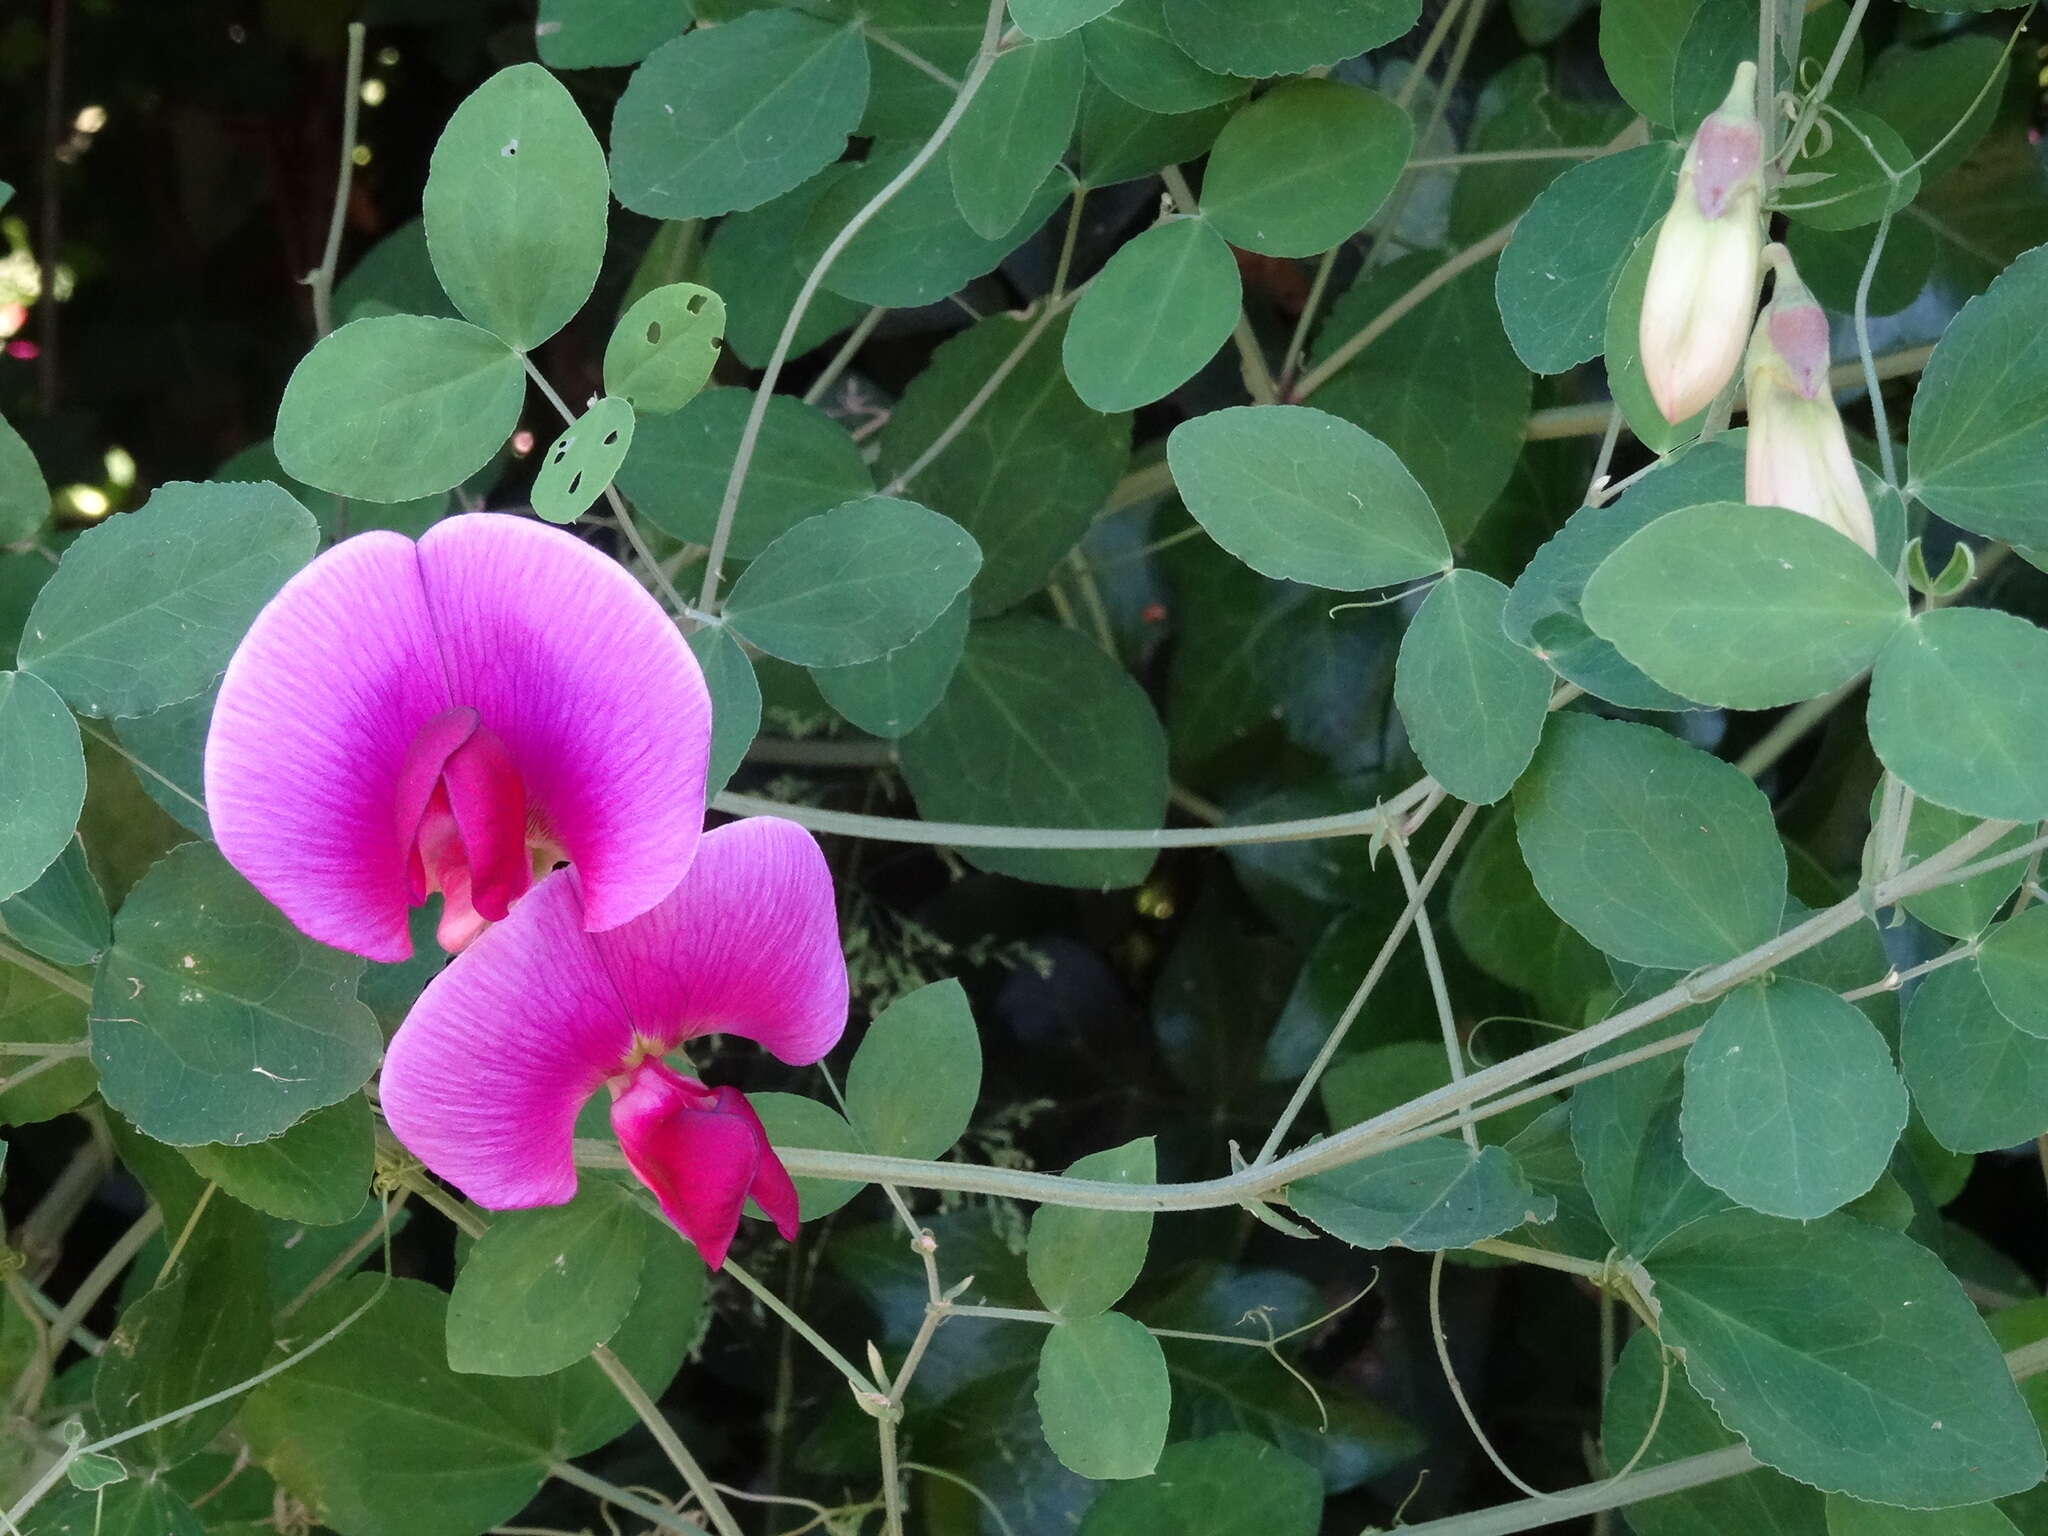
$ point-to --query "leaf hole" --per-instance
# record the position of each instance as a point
(610, 438)
(653, 332)
(695, 304)
(575, 481)
(511, 148)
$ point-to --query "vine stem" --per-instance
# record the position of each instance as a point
(43, 972)
(855, 1377)
(1432, 962)
(750, 434)
(568, 1472)
(665, 1436)
(855, 340)
(321, 279)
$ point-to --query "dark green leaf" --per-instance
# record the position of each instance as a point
(62, 916)
(42, 779)
(317, 1173)
(1427, 1195)
(735, 702)
(167, 749)
(1855, 168)
(794, 1121)
(1473, 701)
(597, 34)
(1163, 306)
(1284, 37)
(1014, 132)
(1979, 1081)
(1505, 929)
(891, 695)
(1056, 18)
(2014, 965)
(1130, 51)
(36, 1012)
(1640, 41)
(24, 497)
(752, 262)
(1119, 142)
(1231, 1484)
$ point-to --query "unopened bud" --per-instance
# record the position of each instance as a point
(1798, 455)
(1701, 289)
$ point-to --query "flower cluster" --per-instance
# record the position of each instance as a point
(500, 714)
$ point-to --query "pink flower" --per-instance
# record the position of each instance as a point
(485, 1079)
(457, 715)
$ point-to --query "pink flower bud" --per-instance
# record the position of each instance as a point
(1798, 455)
(1701, 290)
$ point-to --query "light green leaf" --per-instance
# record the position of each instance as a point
(1978, 1080)
(1130, 51)
(891, 695)
(146, 609)
(62, 916)
(24, 497)
(1056, 18)
(911, 1086)
(42, 779)
(752, 262)
(600, 34)
(1232, 1484)
(1081, 1262)
(1744, 607)
(1284, 37)
(317, 1173)
(1014, 132)
(2014, 964)
(336, 515)
(1925, 92)
(1959, 710)
(136, 1507)
(543, 1288)
(1163, 306)
(396, 407)
(1473, 701)
(213, 1019)
(393, 277)
(1041, 729)
(727, 117)
(663, 349)
(1561, 267)
(1302, 168)
(515, 206)
(581, 461)
(1028, 474)
(854, 583)
(1850, 1517)
(794, 1121)
(735, 702)
(1980, 416)
(1301, 495)
(804, 464)
(1792, 1105)
(1104, 1396)
(1659, 854)
(1427, 1195)
(1119, 142)
(1791, 1330)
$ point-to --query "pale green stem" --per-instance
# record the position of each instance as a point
(1793, 726)
(23, 960)
(855, 340)
(665, 1436)
(321, 279)
(1418, 901)
(1803, 125)
(568, 1472)
(855, 1377)
(185, 1232)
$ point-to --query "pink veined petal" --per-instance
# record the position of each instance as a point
(685, 1143)
(593, 691)
(309, 738)
(773, 1189)
(489, 805)
(418, 778)
(484, 1079)
(747, 945)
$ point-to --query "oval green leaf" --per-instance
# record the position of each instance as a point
(601, 34)
(1428, 1195)
(1080, 1261)
(1130, 51)
(580, 462)
(62, 916)
(912, 1084)
(316, 1174)
(1284, 37)
(1232, 1484)
(663, 349)
(1979, 1081)
(2014, 964)
(891, 695)
(42, 779)
(1014, 132)
(1302, 168)
(735, 701)
(1163, 306)
(1104, 1396)
(24, 496)
(1473, 701)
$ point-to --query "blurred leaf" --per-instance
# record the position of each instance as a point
(1015, 131)
(1428, 1195)
(1228, 1483)
(1304, 167)
(595, 34)
(1104, 1396)
(317, 1172)
(24, 498)
(1979, 1081)
(1284, 37)
(663, 349)
(1474, 702)
(336, 515)
(1959, 711)
(1081, 1261)
(912, 1084)
(33, 1012)
(136, 1507)
(42, 779)
(1162, 307)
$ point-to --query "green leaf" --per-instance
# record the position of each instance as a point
(1964, 909)
(1561, 267)
(1760, 1503)
(62, 916)
(380, 1438)
(1959, 711)
(35, 1012)
(1304, 167)
(317, 1173)
(1792, 1105)
(1428, 1195)
(1028, 474)
(794, 1121)
(1301, 495)
(1659, 854)
(581, 461)
(727, 117)
(132, 1508)
(1130, 51)
(543, 1288)
(1980, 415)
(213, 1019)
(752, 262)
(1163, 306)
(1474, 702)
(1850, 1517)
(1978, 1080)
(396, 407)
(1081, 1262)
(42, 779)
(1791, 1330)
(1284, 37)
(1221, 1485)
(919, 248)
(1925, 92)
(735, 702)
(854, 583)
(2014, 965)
(598, 34)
(911, 1087)
(1014, 132)
(168, 751)
(1744, 607)
(584, 1408)
(1119, 142)
(1441, 386)
(146, 609)
(891, 695)
(1056, 18)
(1505, 929)
(258, 461)
(663, 349)
(1853, 189)
(24, 497)
(393, 277)
(515, 206)
(1640, 43)
(1042, 729)
(1104, 1396)
(803, 464)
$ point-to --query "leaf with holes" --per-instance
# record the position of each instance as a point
(663, 349)
(580, 463)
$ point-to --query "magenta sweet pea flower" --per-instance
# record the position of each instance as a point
(457, 715)
(484, 1080)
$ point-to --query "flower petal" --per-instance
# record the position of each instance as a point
(310, 734)
(691, 1147)
(747, 945)
(484, 1079)
(593, 691)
